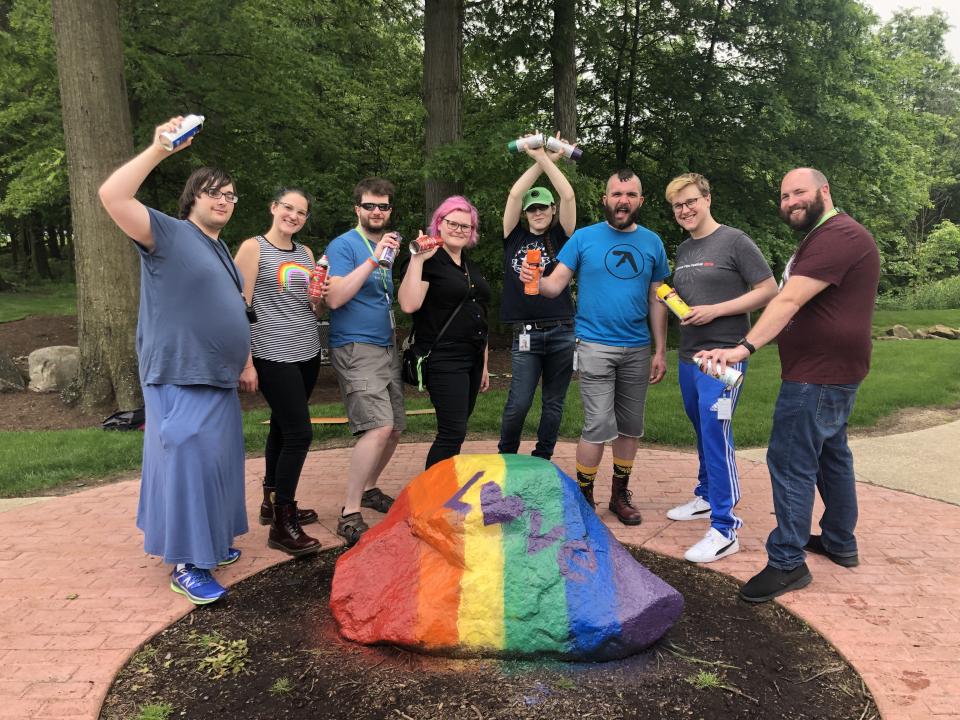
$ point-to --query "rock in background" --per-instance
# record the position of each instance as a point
(53, 368)
(499, 555)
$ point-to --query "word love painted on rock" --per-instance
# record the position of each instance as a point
(573, 556)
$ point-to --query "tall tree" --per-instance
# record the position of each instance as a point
(98, 138)
(442, 70)
(563, 53)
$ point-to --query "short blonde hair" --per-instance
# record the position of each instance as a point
(682, 181)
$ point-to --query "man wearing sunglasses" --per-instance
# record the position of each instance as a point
(193, 341)
(363, 350)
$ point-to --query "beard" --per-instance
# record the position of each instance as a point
(610, 213)
(811, 214)
(371, 225)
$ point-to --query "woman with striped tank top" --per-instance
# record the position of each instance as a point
(285, 360)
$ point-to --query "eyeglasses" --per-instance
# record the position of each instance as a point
(537, 208)
(457, 227)
(382, 207)
(290, 208)
(688, 204)
(215, 194)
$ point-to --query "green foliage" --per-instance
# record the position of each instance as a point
(939, 254)
(158, 711)
(223, 657)
(282, 686)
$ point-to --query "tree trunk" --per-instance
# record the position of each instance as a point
(442, 64)
(563, 53)
(98, 137)
(39, 261)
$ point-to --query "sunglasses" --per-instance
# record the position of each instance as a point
(382, 207)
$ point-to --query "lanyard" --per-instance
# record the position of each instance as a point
(826, 216)
(380, 270)
(231, 268)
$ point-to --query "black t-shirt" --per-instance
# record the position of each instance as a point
(448, 285)
(516, 307)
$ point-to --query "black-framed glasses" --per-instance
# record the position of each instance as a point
(537, 208)
(688, 204)
(457, 227)
(382, 207)
(230, 197)
(290, 208)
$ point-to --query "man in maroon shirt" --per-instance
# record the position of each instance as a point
(821, 320)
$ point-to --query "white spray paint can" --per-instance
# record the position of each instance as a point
(731, 376)
(191, 125)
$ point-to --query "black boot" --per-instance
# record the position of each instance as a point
(286, 533)
(304, 516)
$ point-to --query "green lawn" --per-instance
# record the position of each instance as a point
(904, 374)
(49, 299)
(914, 319)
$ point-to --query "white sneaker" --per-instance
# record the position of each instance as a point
(696, 509)
(715, 545)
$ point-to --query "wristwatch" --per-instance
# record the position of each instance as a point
(751, 348)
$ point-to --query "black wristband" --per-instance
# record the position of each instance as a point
(748, 345)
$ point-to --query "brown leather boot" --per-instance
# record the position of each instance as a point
(304, 516)
(287, 535)
(587, 491)
(620, 504)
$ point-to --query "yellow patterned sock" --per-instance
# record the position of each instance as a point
(622, 469)
(586, 475)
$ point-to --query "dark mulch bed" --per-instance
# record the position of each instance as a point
(724, 658)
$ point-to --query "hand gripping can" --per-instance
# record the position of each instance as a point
(389, 254)
(530, 141)
(533, 260)
(731, 376)
(191, 125)
(424, 244)
(673, 301)
(318, 276)
(556, 145)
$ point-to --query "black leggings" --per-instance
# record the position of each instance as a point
(287, 387)
(453, 379)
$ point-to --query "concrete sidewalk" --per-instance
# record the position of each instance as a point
(78, 596)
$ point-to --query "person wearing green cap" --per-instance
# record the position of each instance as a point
(543, 337)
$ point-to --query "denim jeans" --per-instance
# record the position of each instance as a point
(550, 356)
(808, 450)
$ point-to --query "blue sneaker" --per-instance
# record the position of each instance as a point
(197, 584)
(233, 554)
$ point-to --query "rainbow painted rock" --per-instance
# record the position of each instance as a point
(498, 555)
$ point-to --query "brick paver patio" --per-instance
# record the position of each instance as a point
(78, 596)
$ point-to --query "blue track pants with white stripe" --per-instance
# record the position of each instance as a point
(718, 481)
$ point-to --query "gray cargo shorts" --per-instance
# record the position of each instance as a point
(370, 383)
(613, 390)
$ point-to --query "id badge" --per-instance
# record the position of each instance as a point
(724, 409)
(393, 320)
(524, 341)
(576, 359)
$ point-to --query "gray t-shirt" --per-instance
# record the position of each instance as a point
(192, 328)
(719, 267)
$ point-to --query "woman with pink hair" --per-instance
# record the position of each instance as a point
(443, 285)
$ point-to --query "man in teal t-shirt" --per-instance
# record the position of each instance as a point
(619, 265)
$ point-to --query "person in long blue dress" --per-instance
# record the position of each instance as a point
(193, 345)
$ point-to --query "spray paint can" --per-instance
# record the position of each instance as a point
(424, 244)
(557, 145)
(673, 301)
(389, 254)
(731, 376)
(533, 260)
(190, 126)
(530, 141)
(318, 276)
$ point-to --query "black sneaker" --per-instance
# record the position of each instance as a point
(376, 499)
(351, 527)
(771, 582)
(815, 545)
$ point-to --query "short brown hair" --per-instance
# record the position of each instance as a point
(682, 181)
(373, 186)
(202, 179)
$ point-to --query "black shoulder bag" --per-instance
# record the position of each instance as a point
(413, 367)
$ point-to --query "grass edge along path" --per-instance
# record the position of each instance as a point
(905, 374)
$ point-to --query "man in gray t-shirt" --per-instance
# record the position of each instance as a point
(722, 275)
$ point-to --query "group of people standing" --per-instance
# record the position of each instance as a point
(198, 342)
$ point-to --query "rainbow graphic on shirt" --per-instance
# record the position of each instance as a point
(498, 555)
(288, 272)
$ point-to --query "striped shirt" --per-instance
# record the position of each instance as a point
(286, 328)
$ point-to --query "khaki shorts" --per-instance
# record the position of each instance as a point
(369, 379)
(613, 389)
